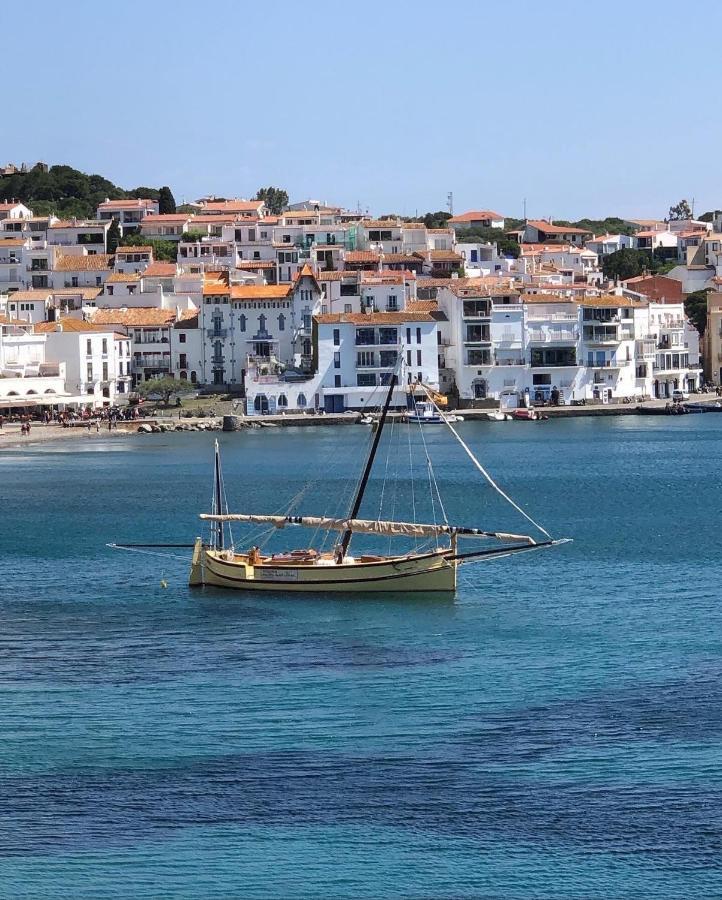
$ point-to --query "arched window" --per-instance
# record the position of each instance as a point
(194, 377)
(282, 401)
(260, 403)
(281, 322)
(184, 375)
(242, 322)
(301, 402)
(50, 391)
(30, 392)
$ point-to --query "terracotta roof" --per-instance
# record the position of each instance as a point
(80, 223)
(381, 223)
(160, 270)
(388, 318)
(476, 216)
(130, 203)
(188, 321)
(439, 231)
(6, 207)
(423, 306)
(256, 264)
(357, 256)
(5, 321)
(12, 242)
(611, 301)
(134, 316)
(260, 291)
(69, 325)
(550, 228)
(32, 295)
(350, 274)
(95, 263)
(87, 293)
(125, 250)
(228, 206)
(122, 277)
(415, 258)
(413, 225)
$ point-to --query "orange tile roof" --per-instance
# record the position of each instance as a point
(32, 295)
(95, 263)
(337, 275)
(550, 228)
(231, 206)
(87, 293)
(260, 291)
(415, 258)
(256, 264)
(122, 277)
(381, 223)
(12, 242)
(443, 254)
(136, 316)
(68, 324)
(476, 216)
(125, 250)
(5, 321)
(160, 270)
(357, 256)
(188, 321)
(611, 301)
(387, 318)
(422, 305)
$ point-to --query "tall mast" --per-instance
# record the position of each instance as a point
(356, 505)
(219, 508)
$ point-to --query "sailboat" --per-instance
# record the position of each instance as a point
(216, 561)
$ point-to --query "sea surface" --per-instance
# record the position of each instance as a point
(555, 731)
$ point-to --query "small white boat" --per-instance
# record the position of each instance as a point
(425, 414)
(498, 416)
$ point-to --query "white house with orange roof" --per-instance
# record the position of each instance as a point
(478, 218)
(237, 207)
(97, 360)
(133, 259)
(166, 226)
(539, 231)
(81, 270)
(13, 209)
(606, 244)
(12, 263)
(128, 213)
(79, 236)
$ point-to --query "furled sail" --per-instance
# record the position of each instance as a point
(368, 526)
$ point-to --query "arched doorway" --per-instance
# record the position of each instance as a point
(194, 378)
(260, 404)
(184, 375)
(479, 388)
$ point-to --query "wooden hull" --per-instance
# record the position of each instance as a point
(428, 572)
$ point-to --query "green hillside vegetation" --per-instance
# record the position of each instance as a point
(65, 191)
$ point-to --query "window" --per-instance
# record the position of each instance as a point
(387, 358)
(98, 280)
(337, 337)
(109, 288)
(408, 357)
(301, 402)
(388, 336)
(337, 360)
(74, 281)
(337, 381)
(105, 371)
(252, 237)
(181, 338)
(347, 307)
(365, 336)
(282, 402)
(281, 322)
(261, 324)
(90, 372)
(89, 347)
(366, 379)
(105, 346)
(474, 256)
(418, 335)
(242, 322)
(408, 335)
(392, 303)
(366, 358)
(418, 357)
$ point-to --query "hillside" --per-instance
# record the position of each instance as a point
(65, 191)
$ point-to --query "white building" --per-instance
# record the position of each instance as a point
(479, 218)
(97, 361)
(128, 213)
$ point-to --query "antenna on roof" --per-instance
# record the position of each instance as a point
(450, 202)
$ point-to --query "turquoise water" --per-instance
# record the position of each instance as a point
(553, 732)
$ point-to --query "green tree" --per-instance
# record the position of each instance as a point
(275, 199)
(680, 211)
(113, 238)
(163, 251)
(193, 235)
(166, 200)
(166, 387)
(436, 219)
(144, 193)
(626, 263)
(695, 305)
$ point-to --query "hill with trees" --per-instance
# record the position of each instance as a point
(67, 192)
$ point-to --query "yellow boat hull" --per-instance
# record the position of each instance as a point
(428, 572)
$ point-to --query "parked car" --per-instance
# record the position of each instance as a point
(678, 396)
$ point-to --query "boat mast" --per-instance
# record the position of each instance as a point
(217, 499)
(356, 505)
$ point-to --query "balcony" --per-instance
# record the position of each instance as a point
(553, 335)
(151, 362)
(609, 364)
(602, 336)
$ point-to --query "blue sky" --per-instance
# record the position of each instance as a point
(584, 109)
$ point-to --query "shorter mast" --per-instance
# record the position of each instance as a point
(356, 505)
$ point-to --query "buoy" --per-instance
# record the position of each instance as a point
(163, 583)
